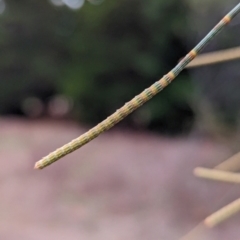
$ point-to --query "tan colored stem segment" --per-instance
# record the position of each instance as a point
(232, 164)
(217, 175)
(222, 214)
(112, 120)
(215, 57)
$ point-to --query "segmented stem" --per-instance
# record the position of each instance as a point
(137, 101)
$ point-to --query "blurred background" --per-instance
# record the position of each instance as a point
(66, 65)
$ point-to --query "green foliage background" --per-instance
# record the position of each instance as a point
(101, 56)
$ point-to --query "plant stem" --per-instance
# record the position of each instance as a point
(138, 100)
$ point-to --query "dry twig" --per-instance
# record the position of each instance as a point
(232, 164)
(223, 214)
(215, 57)
(217, 175)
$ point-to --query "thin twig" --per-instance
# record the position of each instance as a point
(217, 175)
(198, 231)
(222, 214)
(137, 101)
(232, 164)
(215, 57)
(194, 233)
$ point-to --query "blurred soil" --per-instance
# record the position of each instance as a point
(122, 186)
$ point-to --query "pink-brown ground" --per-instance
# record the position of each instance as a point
(122, 186)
